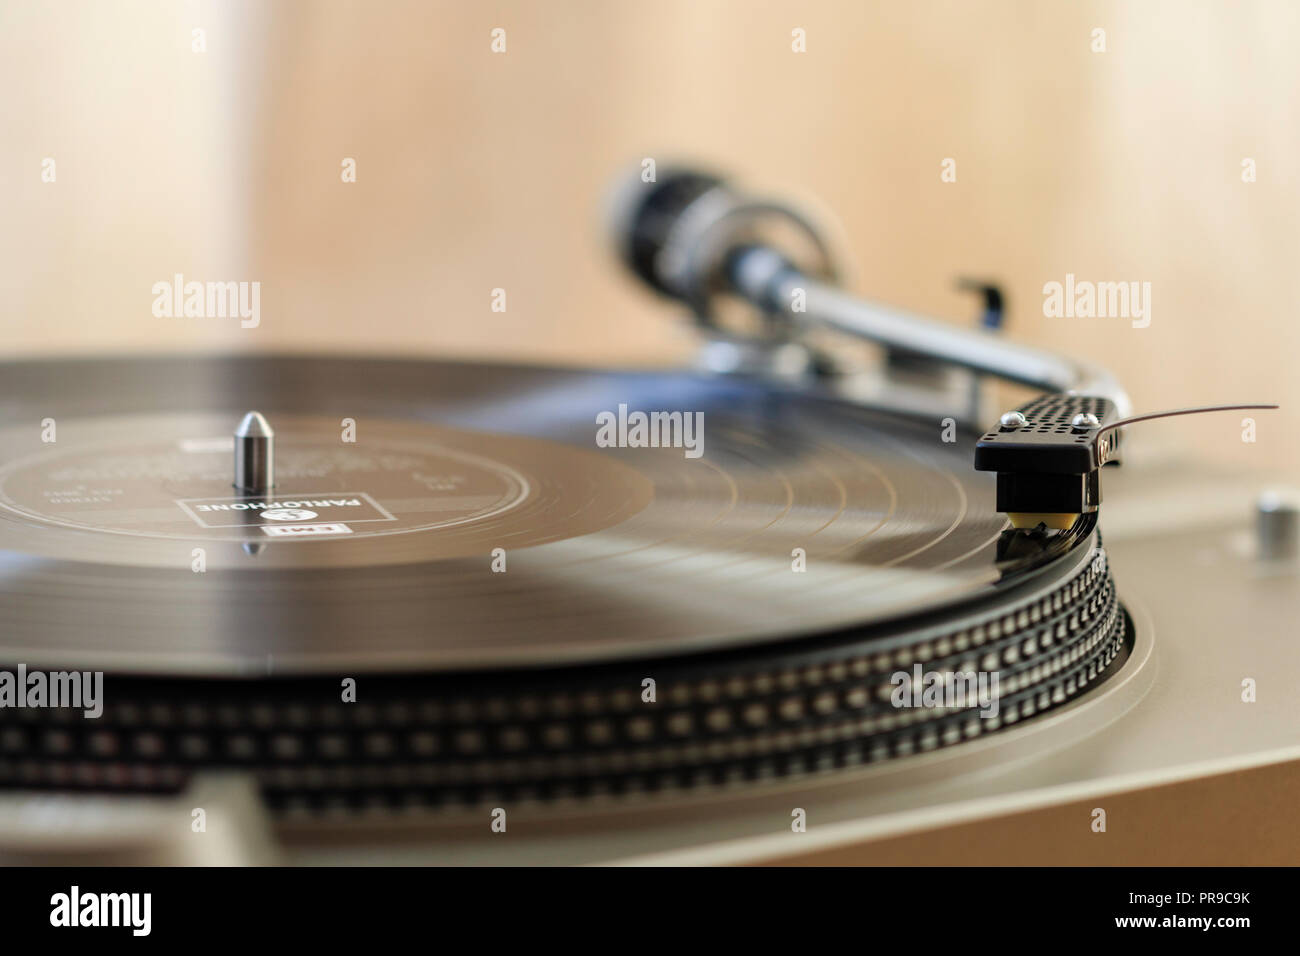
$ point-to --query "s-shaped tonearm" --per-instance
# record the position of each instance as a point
(693, 237)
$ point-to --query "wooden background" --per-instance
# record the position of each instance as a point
(479, 170)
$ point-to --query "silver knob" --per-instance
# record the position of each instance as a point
(1277, 525)
(1084, 421)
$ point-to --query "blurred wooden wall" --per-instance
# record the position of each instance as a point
(478, 170)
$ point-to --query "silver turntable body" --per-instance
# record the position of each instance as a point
(1148, 654)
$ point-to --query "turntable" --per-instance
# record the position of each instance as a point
(494, 613)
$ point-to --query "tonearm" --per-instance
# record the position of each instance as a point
(693, 237)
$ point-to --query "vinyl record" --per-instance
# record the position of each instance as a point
(434, 516)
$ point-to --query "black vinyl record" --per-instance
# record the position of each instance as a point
(471, 517)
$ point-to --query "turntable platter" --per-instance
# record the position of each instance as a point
(457, 537)
(485, 527)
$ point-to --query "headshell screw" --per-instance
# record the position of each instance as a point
(1013, 420)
